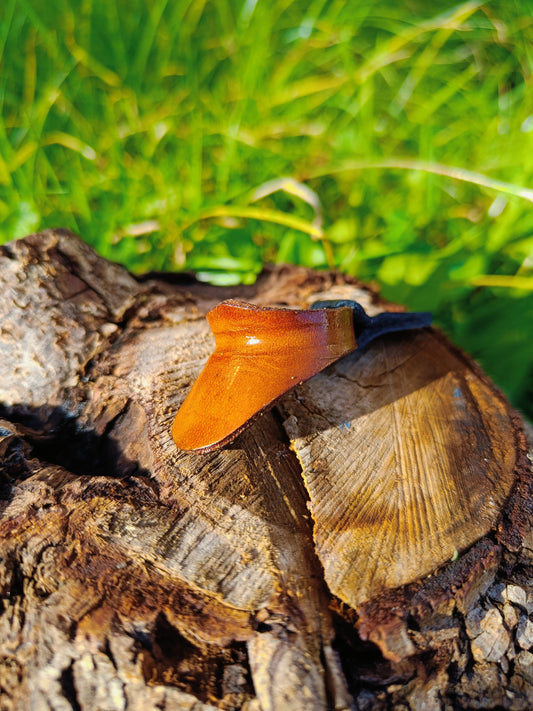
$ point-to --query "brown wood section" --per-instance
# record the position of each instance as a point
(134, 575)
(407, 463)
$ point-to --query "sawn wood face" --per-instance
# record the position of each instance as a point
(406, 449)
(407, 455)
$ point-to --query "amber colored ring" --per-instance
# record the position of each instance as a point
(262, 353)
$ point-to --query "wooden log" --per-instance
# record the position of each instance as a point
(276, 573)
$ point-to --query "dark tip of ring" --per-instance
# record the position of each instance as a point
(367, 328)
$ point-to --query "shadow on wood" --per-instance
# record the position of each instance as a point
(136, 576)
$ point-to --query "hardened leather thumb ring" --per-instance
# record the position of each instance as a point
(262, 353)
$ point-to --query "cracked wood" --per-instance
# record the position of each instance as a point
(135, 576)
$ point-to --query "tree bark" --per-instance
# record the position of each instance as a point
(366, 544)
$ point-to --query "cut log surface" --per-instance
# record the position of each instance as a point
(366, 544)
(428, 439)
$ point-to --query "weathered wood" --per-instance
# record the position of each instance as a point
(133, 575)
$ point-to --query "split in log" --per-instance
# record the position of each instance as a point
(367, 544)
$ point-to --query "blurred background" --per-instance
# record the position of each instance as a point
(392, 141)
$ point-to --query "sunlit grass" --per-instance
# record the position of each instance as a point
(148, 127)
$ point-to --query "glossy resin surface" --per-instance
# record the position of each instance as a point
(260, 354)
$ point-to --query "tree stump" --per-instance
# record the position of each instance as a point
(366, 544)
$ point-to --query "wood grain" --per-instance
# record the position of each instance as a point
(408, 456)
(133, 575)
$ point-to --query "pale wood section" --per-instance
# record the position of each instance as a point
(135, 576)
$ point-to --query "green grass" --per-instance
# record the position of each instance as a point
(406, 130)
